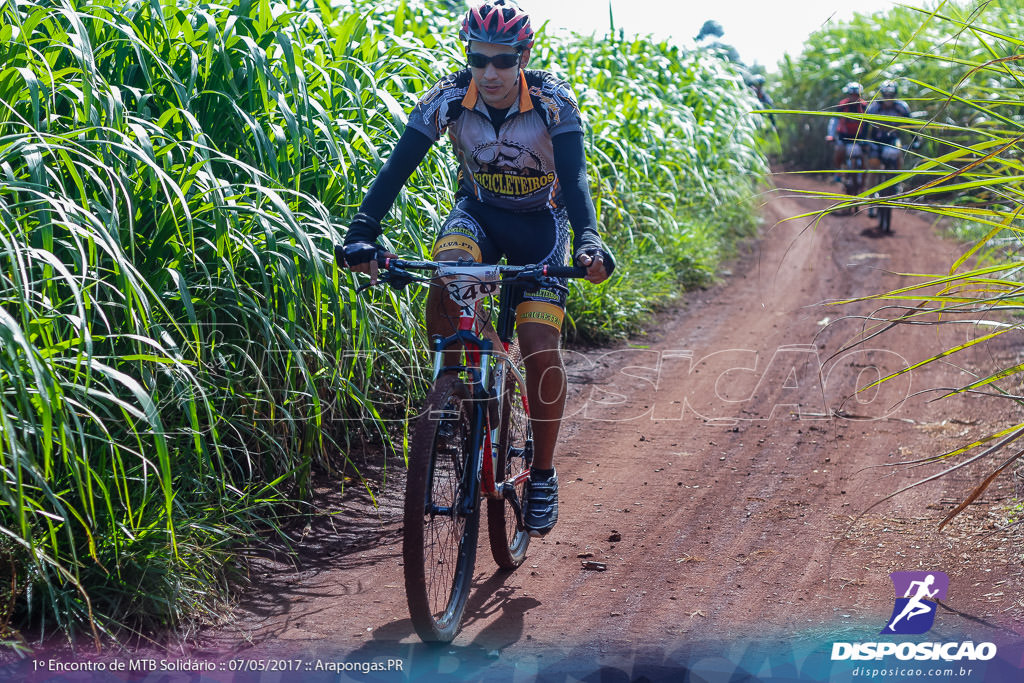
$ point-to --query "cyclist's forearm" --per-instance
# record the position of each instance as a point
(571, 167)
(407, 155)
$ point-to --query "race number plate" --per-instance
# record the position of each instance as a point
(468, 284)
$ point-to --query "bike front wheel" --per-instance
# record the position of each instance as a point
(509, 539)
(439, 540)
(885, 212)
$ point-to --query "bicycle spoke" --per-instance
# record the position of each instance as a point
(444, 526)
(508, 539)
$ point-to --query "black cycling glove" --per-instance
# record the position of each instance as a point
(356, 253)
(591, 245)
(360, 245)
(609, 261)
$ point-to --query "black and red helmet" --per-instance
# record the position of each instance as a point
(498, 21)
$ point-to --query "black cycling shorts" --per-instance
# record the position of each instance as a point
(533, 237)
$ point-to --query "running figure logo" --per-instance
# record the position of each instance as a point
(917, 596)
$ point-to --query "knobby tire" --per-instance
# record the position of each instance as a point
(885, 212)
(509, 539)
(438, 543)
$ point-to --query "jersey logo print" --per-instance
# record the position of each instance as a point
(431, 104)
(510, 169)
(553, 101)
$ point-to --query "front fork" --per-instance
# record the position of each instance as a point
(480, 470)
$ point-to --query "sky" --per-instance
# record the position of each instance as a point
(761, 30)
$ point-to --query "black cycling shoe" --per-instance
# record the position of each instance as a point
(541, 510)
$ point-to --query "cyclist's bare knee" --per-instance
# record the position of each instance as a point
(537, 338)
(442, 314)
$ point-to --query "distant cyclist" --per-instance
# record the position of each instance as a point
(517, 136)
(886, 136)
(886, 148)
(756, 84)
(843, 131)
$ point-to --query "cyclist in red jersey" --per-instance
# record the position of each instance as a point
(843, 130)
(518, 138)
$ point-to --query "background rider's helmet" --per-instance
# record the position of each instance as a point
(852, 88)
(888, 90)
(498, 21)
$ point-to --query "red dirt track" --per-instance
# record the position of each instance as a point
(716, 470)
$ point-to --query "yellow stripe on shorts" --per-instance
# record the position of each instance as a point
(540, 312)
(462, 242)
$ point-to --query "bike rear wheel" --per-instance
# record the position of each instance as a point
(509, 539)
(439, 542)
(853, 179)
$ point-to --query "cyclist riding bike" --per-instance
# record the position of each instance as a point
(886, 137)
(887, 148)
(844, 131)
(518, 138)
(756, 84)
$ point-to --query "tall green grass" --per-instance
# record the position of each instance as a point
(173, 336)
(676, 158)
(963, 64)
(178, 354)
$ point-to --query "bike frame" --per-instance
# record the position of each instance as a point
(479, 476)
(855, 155)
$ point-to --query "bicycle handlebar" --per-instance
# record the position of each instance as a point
(565, 271)
(395, 272)
(528, 271)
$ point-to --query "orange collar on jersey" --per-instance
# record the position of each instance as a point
(525, 103)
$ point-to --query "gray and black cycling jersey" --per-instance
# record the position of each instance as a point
(511, 165)
(880, 131)
(527, 159)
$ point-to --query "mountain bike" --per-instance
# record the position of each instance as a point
(472, 441)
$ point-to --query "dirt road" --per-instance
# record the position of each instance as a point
(715, 468)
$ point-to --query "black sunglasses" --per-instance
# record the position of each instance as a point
(505, 60)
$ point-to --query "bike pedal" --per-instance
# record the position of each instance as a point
(498, 493)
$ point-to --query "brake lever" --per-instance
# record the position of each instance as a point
(398, 278)
(530, 277)
(395, 278)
